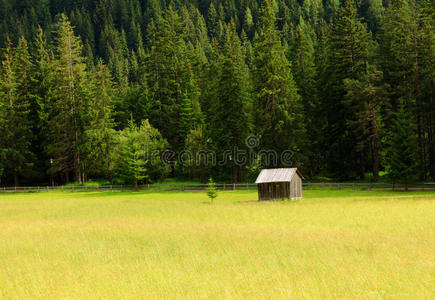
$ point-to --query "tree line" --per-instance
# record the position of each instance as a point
(87, 87)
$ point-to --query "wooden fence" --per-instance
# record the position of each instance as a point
(222, 187)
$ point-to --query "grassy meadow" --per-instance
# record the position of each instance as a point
(173, 245)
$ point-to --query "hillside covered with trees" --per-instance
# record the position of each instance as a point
(88, 86)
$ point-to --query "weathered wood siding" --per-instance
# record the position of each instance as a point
(281, 190)
(279, 184)
(296, 187)
(274, 191)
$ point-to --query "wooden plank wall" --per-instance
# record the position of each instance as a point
(274, 191)
(281, 190)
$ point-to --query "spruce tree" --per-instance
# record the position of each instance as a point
(402, 150)
(230, 101)
(407, 62)
(42, 79)
(211, 190)
(348, 56)
(397, 51)
(16, 135)
(100, 135)
(426, 50)
(305, 74)
(170, 76)
(133, 155)
(196, 145)
(368, 97)
(185, 119)
(68, 104)
(212, 21)
(278, 108)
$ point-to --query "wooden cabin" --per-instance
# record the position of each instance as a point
(279, 184)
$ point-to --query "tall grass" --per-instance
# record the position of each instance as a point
(330, 245)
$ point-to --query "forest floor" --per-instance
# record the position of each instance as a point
(174, 245)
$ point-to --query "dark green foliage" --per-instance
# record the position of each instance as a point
(348, 56)
(278, 108)
(15, 126)
(170, 78)
(100, 134)
(367, 97)
(402, 151)
(230, 110)
(196, 145)
(323, 79)
(305, 74)
(408, 60)
(67, 104)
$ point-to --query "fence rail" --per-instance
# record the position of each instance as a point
(222, 187)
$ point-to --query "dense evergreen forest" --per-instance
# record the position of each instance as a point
(88, 86)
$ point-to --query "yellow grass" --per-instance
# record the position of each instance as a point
(330, 245)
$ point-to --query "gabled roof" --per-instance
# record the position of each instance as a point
(277, 175)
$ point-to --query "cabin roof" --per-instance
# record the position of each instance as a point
(277, 175)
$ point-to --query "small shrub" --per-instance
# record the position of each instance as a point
(211, 190)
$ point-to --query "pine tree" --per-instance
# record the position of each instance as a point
(196, 145)
(248, 23)
(230, 101)
(211, 190)
(426, 50)
(68, 104)
(368, 97)
(42, 79)
(305, 74)
(100, 135)
(348, 48)
(278, 108)
(402, 150)
(212, 21)
(133, 155)
(407, 64)
(170, 76)
(16, 135)
(186, 116)
(397, 51)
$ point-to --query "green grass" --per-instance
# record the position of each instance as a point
(330, 245)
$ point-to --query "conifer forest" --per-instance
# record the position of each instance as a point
(123, 90)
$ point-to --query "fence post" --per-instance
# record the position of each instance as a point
(182, 187)
(234, 186)
(224, 186)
